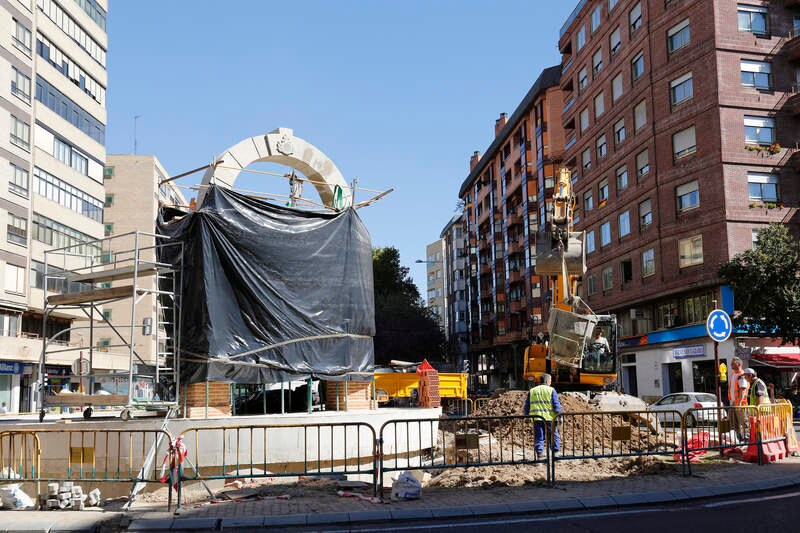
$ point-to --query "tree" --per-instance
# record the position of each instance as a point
(404, 328)
(766, 285)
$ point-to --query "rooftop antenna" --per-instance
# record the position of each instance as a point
(135, 140)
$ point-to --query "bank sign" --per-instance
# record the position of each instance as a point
(684, 352)
(10, 367)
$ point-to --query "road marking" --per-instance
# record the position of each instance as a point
(488, 520)
(750, 500)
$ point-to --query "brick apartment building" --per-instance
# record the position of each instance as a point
(672, 112)
(504, 199)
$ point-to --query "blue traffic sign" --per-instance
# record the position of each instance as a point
(719, 325)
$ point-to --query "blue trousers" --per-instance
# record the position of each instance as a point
(539, 436)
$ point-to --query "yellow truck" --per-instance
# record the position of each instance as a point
(398, 385)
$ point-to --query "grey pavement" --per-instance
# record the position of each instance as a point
(322, 507)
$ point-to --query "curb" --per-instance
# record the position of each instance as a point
(472, 511)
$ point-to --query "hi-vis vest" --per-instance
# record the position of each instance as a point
(754, 389)
(541, 400)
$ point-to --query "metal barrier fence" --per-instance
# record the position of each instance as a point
(19, 455)
(262, 451)
(441, 443)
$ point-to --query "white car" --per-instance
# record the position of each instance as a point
(682, 402)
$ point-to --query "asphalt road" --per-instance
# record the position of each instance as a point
(763, 512)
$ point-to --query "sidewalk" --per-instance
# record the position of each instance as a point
(323, 507)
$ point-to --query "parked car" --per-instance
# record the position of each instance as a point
(682, 402)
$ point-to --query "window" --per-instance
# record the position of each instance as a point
(15, 279)
(52, 10)
(602, 192)
(20, 85)
(597, 61)
(752, 19)
(583, 79)
(624, 224)
(756, 74)
(683, 143)
(584, 119)
(759, 130)
(70, 69)
(588, 201)
(109, 200)
(678, 36)
(108, 228)
(61, 192)
(18, 180)
(626, 271)
(68, 155)
(616, 87)
(762, 187)
(591, 285)
(645, 214)
(688, 196)
(690, 251)
(612, 4)
(602, 147)
(640, 115)
(20, 133)
(107, 314)
(635, 17)
(95, 12)
(70, 111)
(53, 233)
(22, 38)
(605, 233)
(599, 105)
(648, 262)
(590, 241)
(614, 41)
(619, 131)
(586, 158)
(643, 162)
(681, 89)
(608, 278)
(581, 37)
(622, 178)
(596, 18)
(17, 231)
(637, 67)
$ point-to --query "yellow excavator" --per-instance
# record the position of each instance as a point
(580, 351)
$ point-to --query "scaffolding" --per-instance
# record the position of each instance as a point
(81, 278)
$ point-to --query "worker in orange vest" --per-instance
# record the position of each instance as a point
(737, 395)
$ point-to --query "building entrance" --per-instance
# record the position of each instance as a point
(703, 376)
(673, 378)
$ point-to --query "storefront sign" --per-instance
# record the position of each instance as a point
(53, 370)
(10, 367)
(683, 352)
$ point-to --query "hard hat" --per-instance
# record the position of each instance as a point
(750, 371)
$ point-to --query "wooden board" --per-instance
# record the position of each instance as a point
(77, 399)
(115, 274)
(90, 296)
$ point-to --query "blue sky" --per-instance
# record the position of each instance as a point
(397, 94)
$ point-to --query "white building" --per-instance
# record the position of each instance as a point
(53, 106)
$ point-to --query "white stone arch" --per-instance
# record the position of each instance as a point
(280, 146)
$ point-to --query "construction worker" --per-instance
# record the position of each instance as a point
(737, 397)
(542, 402)
(759, 394)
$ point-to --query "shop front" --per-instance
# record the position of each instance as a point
(10, 374)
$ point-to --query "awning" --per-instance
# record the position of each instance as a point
(780, 360)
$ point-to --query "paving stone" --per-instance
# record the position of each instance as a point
(370, 516)
(593, 502)
(563, 505)
(327, 518)
(207, 524)
(411, 514)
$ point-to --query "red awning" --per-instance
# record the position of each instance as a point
(791, 359)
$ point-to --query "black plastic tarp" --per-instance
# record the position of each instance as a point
(271, 293)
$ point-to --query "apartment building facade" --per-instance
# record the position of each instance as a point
(135, 189)
(678, 118)
(506, 200)
(435, 270)
(53, 71)
(455, 293)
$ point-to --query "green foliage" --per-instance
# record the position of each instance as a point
(766, 285)
(405, 328)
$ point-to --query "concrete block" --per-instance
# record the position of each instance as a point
(483, 510)
(451, 512)
(594, 502)
(195, 524)
(411, 514)
(699, 492)
(563, 505)
(285, 520)
(370, 516)
(527, 507)
(679, 495)
(659, 497)
(146, 524)
(328, 518)
(242, 522)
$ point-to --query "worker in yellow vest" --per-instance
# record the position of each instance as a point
(542, 401)
(737, 396)
(759, 394)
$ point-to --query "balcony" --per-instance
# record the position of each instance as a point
(513, 219)
(792, 105)
(792, 45)
(515, 276)
(569, 104)
(486, 268)
(514, 248)
(516, 306)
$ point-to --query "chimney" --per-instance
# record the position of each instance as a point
(476, 156)
(499, 123)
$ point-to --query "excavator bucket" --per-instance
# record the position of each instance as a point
(569, 333)
(548, 255)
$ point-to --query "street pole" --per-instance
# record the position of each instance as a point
(716, 375)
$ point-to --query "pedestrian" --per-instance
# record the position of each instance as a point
(542, 402)
(737, 396)
(3, 408)
(759, 394)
